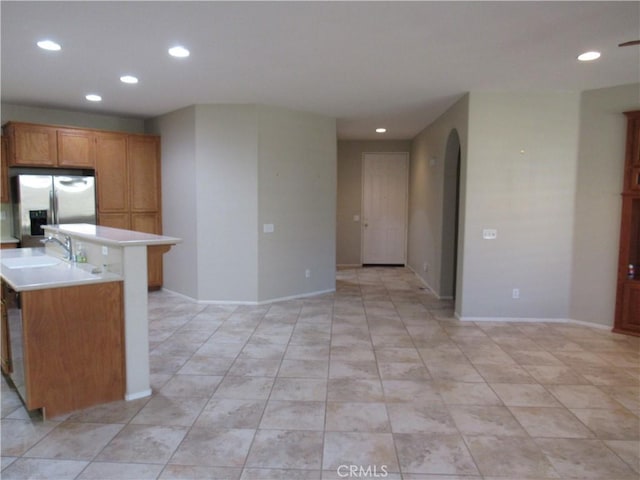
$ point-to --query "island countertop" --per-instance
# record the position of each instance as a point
(47, 271)
(111, 236)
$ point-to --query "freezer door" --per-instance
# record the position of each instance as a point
(35, 202)
(74, 199)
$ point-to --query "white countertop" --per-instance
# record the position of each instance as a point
(111, 236)
(63, 274)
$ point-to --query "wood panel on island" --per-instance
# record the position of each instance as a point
(127, 170)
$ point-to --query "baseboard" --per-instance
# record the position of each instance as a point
(242, 302)
(514, 319)
(135, 396)
(424, 282)
(599, 326)
(536, 320)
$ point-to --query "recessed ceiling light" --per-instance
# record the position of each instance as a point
(381, 130)
(588, 56)
(92, 97)
(49, 45)
(128, 79)
(179, 51)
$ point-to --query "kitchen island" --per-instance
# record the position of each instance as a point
(114, 266)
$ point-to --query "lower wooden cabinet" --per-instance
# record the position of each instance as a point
(141, 222)
(67, 347)
(629, 321)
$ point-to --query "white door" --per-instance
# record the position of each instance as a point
(384, 222)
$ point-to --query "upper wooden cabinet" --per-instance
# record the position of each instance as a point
(32, 145)
(76, 148)
(112, 177)
(49, 146)
(144, 173)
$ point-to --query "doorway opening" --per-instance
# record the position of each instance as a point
(450, 217)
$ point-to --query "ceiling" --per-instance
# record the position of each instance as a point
(397, 65)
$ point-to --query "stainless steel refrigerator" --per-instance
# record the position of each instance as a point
(50, 199)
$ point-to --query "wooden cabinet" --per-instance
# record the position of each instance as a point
(627, 314)
(76, 148)
(7, 301)
(112, 184)
(49, 146)
(127, 169)
(5, 194)
(144, 172)
(145, 199)
(32, 145)
(128, 179)
(67, 347)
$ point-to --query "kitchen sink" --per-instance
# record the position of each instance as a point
(30, 262)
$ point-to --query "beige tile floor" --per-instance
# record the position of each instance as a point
(378, 375)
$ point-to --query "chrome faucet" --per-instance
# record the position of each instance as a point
(67, 245)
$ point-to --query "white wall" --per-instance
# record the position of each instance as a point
(297, 194)
(246, 165)
(521, 180)
(426, 179)
(179, 200)
(598, 202)
(227, 202)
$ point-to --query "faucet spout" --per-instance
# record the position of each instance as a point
(67, 245)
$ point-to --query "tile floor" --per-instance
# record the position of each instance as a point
(377, 376)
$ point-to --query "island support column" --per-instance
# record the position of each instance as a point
(136, 322)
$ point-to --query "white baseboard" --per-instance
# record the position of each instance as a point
(514, 319)
(536, 320)
(424, 282)
(591, 324)
(134, 396)
(241, 302)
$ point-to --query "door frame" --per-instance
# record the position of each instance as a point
(407, 159)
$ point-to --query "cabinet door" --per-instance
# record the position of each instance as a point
(76, 148)
(146, 222)
(33, 145)
(111, 173)
(144, 173)
(631, 307)
(114, 220)
(5, 196)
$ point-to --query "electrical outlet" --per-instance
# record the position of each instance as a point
(489, 233)
(307, 273)
(515, 293)
(105, 250)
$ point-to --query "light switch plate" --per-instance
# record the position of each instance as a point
(489, 233)
(268, 228)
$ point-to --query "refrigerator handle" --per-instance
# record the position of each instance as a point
(53, 202)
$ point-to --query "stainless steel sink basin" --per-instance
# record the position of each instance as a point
(30, 262)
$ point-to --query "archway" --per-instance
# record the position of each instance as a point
(450, 217)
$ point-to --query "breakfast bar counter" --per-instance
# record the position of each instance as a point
(87, 278)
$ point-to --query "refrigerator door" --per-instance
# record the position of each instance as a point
(74, 199)
(35, 207)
